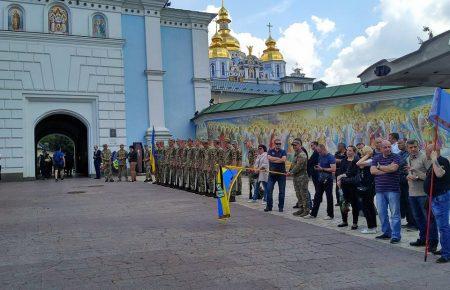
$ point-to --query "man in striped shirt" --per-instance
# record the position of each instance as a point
(387, 187)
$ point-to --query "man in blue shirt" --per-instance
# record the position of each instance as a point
(277, 164)
(325, 169)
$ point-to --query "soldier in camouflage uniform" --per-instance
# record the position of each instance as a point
(194, 166)
(106, 160)
(188, 157)
(167, 162)
(300, 178)
(181, 162)
(202, 166)
(159, 163)
(148, 164)
(251, 157)
(174, 165)
(237, 161)
(210, 160)
(122, 156)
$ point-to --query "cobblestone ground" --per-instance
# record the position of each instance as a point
(290, 200)
(85, 234)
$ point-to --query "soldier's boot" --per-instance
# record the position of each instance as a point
(299, 212)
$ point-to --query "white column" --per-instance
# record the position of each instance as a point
(201, 79)
(155, 75)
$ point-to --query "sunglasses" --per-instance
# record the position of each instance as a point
(277, 143)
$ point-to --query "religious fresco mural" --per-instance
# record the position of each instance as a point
(99, 26)
(15, 19)
(58, 20)
(350, 124)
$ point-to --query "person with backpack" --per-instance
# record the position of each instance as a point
(59, 163)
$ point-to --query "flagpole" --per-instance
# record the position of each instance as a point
(427, 236)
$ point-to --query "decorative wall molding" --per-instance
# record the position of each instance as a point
(60, 38)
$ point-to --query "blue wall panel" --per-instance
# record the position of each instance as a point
(179, 100)
(135, 64)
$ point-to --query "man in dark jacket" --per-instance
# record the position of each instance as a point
(313, 161)
(97, 161)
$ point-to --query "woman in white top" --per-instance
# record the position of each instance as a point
(260, 167)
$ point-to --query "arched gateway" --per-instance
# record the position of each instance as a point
(71, 127)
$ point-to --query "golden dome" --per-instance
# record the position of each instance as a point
(217, 49)
(271, 53)
(228, 41)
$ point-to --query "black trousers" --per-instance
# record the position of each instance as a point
(97, 168)
(368, 208)
(327, 187)
(351, 197)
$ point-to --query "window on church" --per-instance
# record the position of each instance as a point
(213, 70)
(278, 70)
(99, 26)
(15, 18)
(58, 20)
(223, 69)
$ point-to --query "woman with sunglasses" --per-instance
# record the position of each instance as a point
(260, 169)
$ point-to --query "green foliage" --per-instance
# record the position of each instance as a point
(53, 141)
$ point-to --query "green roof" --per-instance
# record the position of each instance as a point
(283, 99)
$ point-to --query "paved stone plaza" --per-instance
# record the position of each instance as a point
(84, 234)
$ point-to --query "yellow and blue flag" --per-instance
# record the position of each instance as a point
(440, 109)
(225, 180)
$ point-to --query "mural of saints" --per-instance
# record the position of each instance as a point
(15, 19)
(99, 26)
(58, 20)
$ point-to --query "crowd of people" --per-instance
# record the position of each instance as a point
(59, 164)
(394, 173)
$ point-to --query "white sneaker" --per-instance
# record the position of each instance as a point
(309, 217)
(251, 201)
(263, 202)
(369, 231)
(327, 218)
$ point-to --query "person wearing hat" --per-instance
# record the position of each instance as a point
(299, 173)
(202, 168)
(122, 156)
(228, 160)
(106, 160)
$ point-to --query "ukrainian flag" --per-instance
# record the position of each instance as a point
(226, 178)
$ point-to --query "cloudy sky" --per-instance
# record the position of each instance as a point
(332, 40)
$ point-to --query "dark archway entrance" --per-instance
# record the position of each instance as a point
(74, 129)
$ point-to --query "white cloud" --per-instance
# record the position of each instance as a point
(395, 35)
(299, 45)
(323, 25)
(337, 43)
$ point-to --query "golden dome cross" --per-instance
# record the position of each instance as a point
(270, 28)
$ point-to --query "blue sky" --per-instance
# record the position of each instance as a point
(330, 39)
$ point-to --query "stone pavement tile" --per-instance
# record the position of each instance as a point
(143, 236)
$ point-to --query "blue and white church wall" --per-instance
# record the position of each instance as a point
(103, 62)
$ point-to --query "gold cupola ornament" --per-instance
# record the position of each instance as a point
(271, 53)
(216, 49)
(228, 41)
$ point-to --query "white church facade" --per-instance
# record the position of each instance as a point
(98, 71)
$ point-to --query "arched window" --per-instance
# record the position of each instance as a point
(58, 20)
(213, 70)
(223, 69)
(278, 71)
(15, 18)
(99, 25)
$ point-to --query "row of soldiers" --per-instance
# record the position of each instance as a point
(193, 165)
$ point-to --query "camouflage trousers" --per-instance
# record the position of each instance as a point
(148, 172)
(158, 172)
(251, 184)
(211, 181)
(186, 177)
(107, 171)
(179, 177)
(173, 175)
(237, 187)
(192, 175)
(123, 171)
(301, 191)
(166, 174)
(201, 181)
